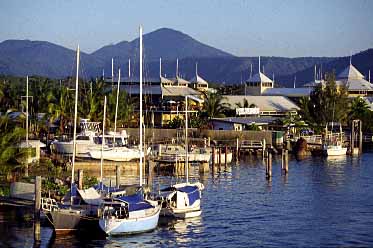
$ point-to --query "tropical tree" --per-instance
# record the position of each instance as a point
(10, 136)
(92, 99)
(125, 108)
(244, 105)
(327, 103)
(215, 106)
(358, 109)
(61, 108)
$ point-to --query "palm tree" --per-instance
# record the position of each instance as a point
(61, 107)
(358, 108)
(10, 136)
(244, 105)
(214, 105)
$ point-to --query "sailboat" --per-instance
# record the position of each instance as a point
(116, 153)
(68, 217)
(134, 213)
(183, 200)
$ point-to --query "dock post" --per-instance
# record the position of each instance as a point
(208, 141)
(282, 159)
(37, 209)
(151, 165)
(80, 179)
(352, 140)
(263, 147)
(285, 159)
(237, 152)
(360, 138)
(269, 166)
(203, 167)
(225, 156)
(219, 158)
(117, 173)
(213, 159)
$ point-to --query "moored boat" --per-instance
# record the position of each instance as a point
(182, 200)
(129, 215)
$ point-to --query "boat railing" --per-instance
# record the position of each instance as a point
(48, 204)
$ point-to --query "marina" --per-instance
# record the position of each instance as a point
(150, 137)
(320, 202)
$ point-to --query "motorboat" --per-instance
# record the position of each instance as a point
(175, 151)
(88, 140)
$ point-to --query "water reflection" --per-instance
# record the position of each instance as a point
(320, 202)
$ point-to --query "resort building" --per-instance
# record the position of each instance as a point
(164, 98)
(264, 105)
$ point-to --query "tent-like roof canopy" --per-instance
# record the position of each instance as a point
(350, 73)
(197, 79)
(259, 78)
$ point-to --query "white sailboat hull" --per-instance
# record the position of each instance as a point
(116, 154)
(114, 226)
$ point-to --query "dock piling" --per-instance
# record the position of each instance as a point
(117, 173)
(269, 165)
(80, 179)
(219, 158)
(285, 161)
(225, 157)
(213, 159)
(37, 209)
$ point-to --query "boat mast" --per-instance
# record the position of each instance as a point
(112, 73)
(75, 120)
(27, 115)
(140, 145)
(186, 140)
(102, 143)
(160, 67)
(116, 108)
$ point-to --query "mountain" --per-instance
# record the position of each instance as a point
(166, 43)
(25, 57)
(21, 57)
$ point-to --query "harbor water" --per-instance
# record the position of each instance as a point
(320, 203)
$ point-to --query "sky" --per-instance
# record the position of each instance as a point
(285, 28)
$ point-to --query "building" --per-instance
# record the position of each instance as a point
(258, 84)
(355, 82)
(267, 105)
(241, 123)
(164, 98)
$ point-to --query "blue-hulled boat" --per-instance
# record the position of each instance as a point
(129, 215)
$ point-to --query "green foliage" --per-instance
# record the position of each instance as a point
(4, 190)
(176, 122)
(89, 181)
(327, 103)
(253, 127)
(50, 185)
(10, 137)
(214, 106)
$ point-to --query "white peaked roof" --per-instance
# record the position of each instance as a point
(181, 80)
(166, 80)
(259, 78)
(197, 79)
(350, 73)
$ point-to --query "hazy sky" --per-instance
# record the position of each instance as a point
(244, 28)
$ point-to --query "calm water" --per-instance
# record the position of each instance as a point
(321, 203)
